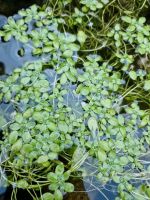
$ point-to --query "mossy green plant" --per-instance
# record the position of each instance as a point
(73, 104)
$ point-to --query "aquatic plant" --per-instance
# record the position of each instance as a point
(71, 105)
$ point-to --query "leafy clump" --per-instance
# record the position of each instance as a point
(93, 5)
(71, 106)
(136, 34)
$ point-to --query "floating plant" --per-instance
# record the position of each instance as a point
(71, 108)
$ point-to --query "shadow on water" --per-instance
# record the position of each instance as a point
(10, 7)
(2, 69)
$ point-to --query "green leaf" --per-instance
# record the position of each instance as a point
(124, 160)
(68, 53)
(42, 159)
(78, 156)
(7, 37)
(27, 148)
(107, 103)
(92, 124)
(52, 156)
(23, 184)
(121, 119)
(145, 121)
(28, 113)
(15, 126)
(133, 75)
(19, 118)
(63, 79)
(13, 137)
(51, 126)
(42, 83)
(148, 191)
(140, 37)
(58, 195)
(47, 196)
(101, 155)
(38, 116)
(126, 19)
(54, 147)
(52, 36)
(81, 37)
(104, 145)
(17, 145)
(52, 177)
(142, 20)
(116, 179)
(26, 137)
(85, 91)
(147, 85)
(66, 175)
(70, 76)
(68, 187)
(63, 127)
(59, 169)
(53, 186)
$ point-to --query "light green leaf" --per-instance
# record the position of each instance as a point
(145, 121)
(124, 160)
(52, 177)
(147, 85)
(59, 169)
(48, 196)
(52, 156)
(27, 148)
(142, 20)
(23, 184)
(54, 147)
(63, 127)
(68, 53)
(15, 126)
(92, 124)
(70, 76)
(133, 75)
(25, 80)
(42, 159)
(81, 37)
(126, 19)
(63, 79)
(13, 137)
(17, 145)
(26, 137)
(53, 186)
(121, 119)
(116, 179)
(107, 103)
(85, 91)
(68, 187)
(104, 145)
(101, 155)
(58, 195)
(19, 118)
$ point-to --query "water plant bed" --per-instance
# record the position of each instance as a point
(75, 102)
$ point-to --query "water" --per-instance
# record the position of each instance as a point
(10, 58)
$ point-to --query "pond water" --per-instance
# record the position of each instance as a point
(10, 58)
